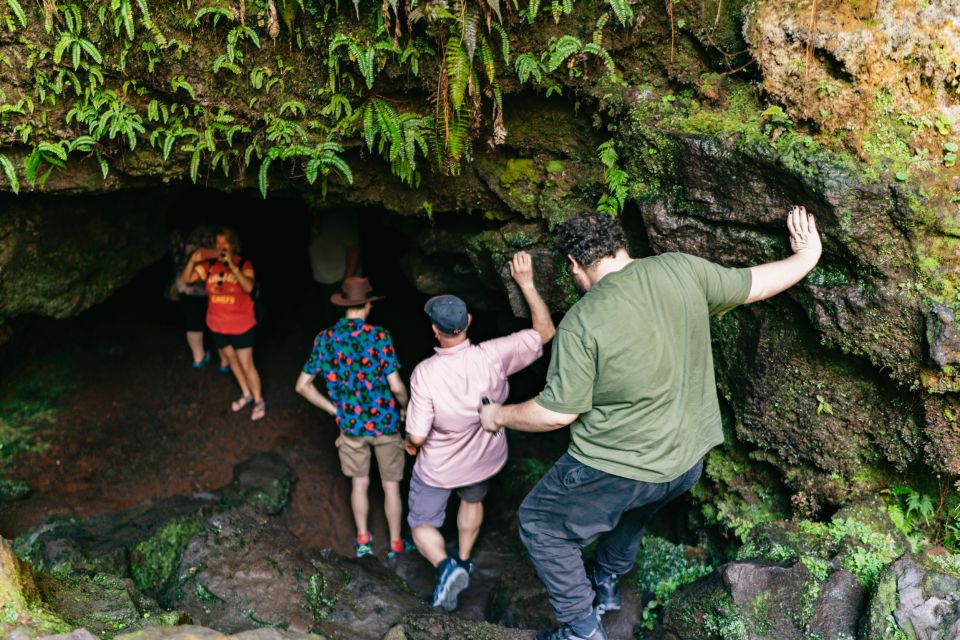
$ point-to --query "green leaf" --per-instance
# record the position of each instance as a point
(458, 71)
(55, 149)
(264, 176)
(19, 15)
(104, 166)
(195, 165)
(10, 172)
(621, 9)
(91, 50)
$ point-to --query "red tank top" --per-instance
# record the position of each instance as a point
(229, 308)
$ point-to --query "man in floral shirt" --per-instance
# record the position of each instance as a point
(359, 365)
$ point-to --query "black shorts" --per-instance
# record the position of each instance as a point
(237, 341)
(192, 312)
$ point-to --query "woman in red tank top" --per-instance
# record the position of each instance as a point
(229, 280)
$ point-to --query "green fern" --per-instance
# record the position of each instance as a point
(470, 27)
(10, 172)
(560, 50)
(527, 66)
(458, 71)
(21, 17)
(504, 41)
(616, 179)
(485, 54)
(621, 9)
(218, 13)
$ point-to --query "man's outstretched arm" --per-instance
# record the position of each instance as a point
(526, 416)
(772, 278)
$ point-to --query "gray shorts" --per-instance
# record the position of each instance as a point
(428, 505)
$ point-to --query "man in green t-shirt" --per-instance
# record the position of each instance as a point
(632, 374)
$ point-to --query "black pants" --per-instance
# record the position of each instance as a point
(572, 506)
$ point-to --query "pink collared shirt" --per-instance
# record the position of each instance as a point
(445, 394)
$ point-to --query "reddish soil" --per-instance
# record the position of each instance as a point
(139, 423)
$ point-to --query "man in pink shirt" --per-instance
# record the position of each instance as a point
(443, 421)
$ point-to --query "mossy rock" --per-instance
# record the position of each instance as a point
(21, 604)
(140, 543)
(915, 597)
(263, 481)
(103, 604)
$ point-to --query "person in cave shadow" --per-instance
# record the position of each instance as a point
(632, 374)
(191, 299)
(455, 454)
(359, 365)
(229, 281)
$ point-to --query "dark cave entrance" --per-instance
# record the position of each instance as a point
(134, 422)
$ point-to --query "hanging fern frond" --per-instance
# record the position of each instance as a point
(369, 126)
(333, 60)
(504, 42)
(21, 17)
(602, 53)
(485, 55)
(532, 10)
(10, 172)
(458, 71)
(621, 9)
(471, 27)
(458, 135)
(365, 59)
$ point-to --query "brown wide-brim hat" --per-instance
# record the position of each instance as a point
(354, 292)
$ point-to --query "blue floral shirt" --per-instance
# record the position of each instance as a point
(354, 358)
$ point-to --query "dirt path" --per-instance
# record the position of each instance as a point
(139, 423)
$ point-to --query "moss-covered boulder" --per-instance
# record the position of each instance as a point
(142, 543)
(244, 570)
(102, 604)
(11, 490)
(792, 579)
(145, 543)
(916, 597)
(760, 600)
(263, 481)
(21, 605)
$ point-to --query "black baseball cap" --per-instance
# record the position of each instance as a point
(448, 312)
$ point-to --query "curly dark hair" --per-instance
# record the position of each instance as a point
(591, 236)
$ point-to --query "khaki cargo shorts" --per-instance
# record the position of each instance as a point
(355, 456)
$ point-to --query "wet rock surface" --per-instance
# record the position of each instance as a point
(144, 542)
(245, 569)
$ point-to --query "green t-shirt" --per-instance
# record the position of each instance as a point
(633, 358)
